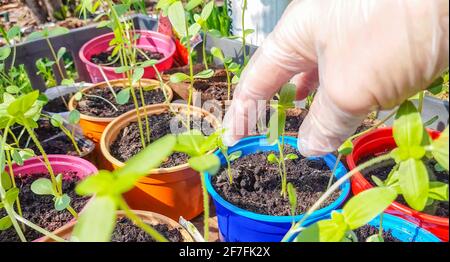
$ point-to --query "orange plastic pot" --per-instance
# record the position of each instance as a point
(92, 126)
(150, 218)
(174, 191)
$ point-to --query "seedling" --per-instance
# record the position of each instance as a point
(58, 121)
(25, 111)
(229, 157)
(107, 189)
(292, 195)
(276, 132)
(198, 147)
(409, 177)
(57, 56)
(230, 68)
(245, 33)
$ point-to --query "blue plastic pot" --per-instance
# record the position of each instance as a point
(239, 225)
(402, 229)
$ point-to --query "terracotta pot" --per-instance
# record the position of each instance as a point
(379, 142)
(65, 232)
(92, 126)
(174, 191)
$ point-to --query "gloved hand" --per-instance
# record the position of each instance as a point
(365, 55)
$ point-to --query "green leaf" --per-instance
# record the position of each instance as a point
(193, 4)
(99, 184)
(330, 230)
(346, 148)
(62, 202)
(137, 75)
(6, 180)
(272, 158)
(248, 32)
(431, 121)
(141, 164)
(439, 149)
(235, 155)
(378, 181)
(207, 10)
(178, 77)
(216, 52)
(287, 95)
(292, 195)
(78, 96)
(35, 36)
(26, 153)
(291, 156)
(177, 18)
(190, 142)
(106, 23)
(74, 117)
(13, 32)
(17, 158)
(123, 96)
(414, 181)
(277, 124)
(215, 33)
(58, 30)
(121, 9)
(438, 191)
(12, 89)
(365, 206)
(42, 186)
(194, 29)
(57, 120)
(22, 104)
(97, 221)
(11, 195)
(61, 53)
(4, 52)
(235, 80)
(205, 74)
(5, 223)
(59, 182)
(150, 62)
(375, 238)
(408, 129)
(205, 163)
(122, 69)
(67, 82)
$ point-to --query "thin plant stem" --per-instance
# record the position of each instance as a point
(138, 221)
(58, 66)
(205, 60)
(205, 208)
(39, 229)
(228, 83)
(13, 180)
(338, 159)
(380, 231)
(421, 98)
(147, 124)
(331, 190)
(244, 41)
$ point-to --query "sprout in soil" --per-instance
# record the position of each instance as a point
(47, 33)
(198, 147)
(277, 124)
(230, 68)
(107, 189)
(229, 157)
(409, 177)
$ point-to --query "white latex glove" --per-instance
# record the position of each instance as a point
(364, 55)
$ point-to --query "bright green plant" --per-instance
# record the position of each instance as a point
(357, 212)
(277, 125)
(230, 68)
(219, 23)
(25, 111)
(96, 223)
(292, 196)
(409, 177)
(198, 147)
(229, 157)
(245, 33)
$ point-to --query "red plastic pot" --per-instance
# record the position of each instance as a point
(379, 142)
(148, 40)
(59, 163)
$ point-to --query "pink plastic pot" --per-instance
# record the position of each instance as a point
(379, 142)
(148, 40)
(59, 163)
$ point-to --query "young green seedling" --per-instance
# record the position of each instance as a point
(198, 147)
(357, 212)
(229, 66)
(47, 33)
(25, 111)
(107, 189)
(58, 121)
(292, 195)
(409, 177)
(277, 124)
(229, 157)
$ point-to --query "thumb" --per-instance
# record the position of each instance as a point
(326, 126)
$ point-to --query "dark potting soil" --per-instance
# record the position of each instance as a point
(256, 184)
(92, 106)
(57, 105)
(126, 231)
(128, 143)
(39, 209)
(104, 58)
(52, 139)
(366, 231)
(381, 170)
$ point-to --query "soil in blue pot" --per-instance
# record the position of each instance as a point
(256, 183)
